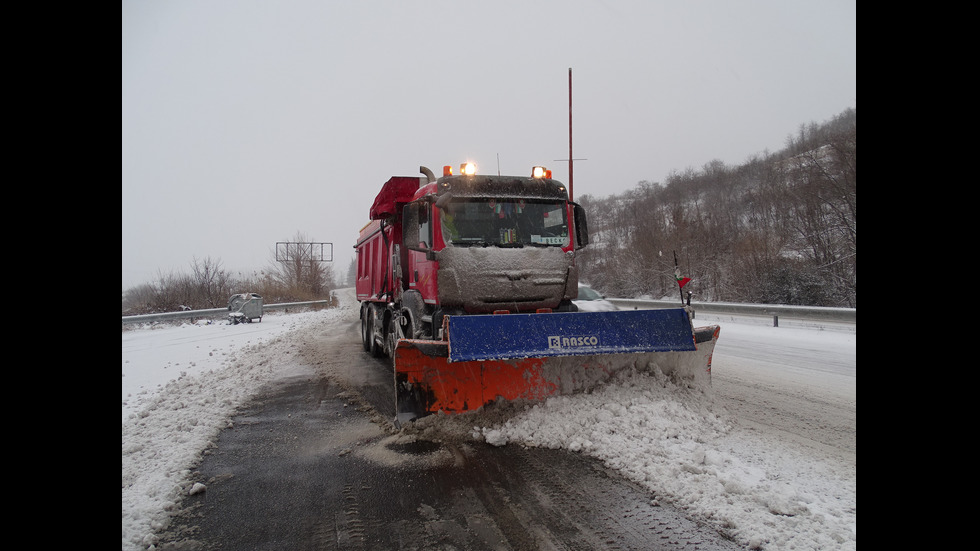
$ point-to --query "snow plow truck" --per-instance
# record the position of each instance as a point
(466, 283)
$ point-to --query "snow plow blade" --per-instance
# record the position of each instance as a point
(534, 356)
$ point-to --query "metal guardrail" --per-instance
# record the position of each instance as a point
(814, 313)
(215, 312)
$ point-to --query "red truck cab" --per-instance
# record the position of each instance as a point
(467, 244)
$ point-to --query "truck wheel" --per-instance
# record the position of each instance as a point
(365, 335)
(397, 331)
(375, 348)
(391, 339)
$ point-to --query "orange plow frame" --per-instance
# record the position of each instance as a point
(427, 382)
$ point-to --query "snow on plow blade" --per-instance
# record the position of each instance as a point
(533, 356)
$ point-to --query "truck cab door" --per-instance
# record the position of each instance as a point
(422, 264)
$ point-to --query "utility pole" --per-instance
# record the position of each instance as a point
(571, 180)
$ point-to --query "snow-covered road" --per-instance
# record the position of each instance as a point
(768, 454)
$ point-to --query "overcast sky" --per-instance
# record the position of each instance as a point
(247, 122)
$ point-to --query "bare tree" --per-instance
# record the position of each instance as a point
(139, 299)
(781, 227)
(212, 282)
(175, 291)
(351, 273)
(302, 273)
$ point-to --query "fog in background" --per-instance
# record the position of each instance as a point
(247, 122)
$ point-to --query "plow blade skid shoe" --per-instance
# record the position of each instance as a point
(534, 356)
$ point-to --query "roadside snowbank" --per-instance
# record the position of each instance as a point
(181, 387)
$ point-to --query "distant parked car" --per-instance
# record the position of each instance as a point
(591, 301)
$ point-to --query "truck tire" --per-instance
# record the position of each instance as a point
(364, 330)
(374, 347)
(391, 339)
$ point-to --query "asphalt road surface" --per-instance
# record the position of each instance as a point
(313, 463)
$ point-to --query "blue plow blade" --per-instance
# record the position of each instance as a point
(515, 336)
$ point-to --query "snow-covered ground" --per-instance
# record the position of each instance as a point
(711, 452)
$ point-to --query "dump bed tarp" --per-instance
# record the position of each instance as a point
(398, 189)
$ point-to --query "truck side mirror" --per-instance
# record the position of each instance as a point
(581, 227)
(410, 226)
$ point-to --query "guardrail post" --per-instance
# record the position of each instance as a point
(775, 320)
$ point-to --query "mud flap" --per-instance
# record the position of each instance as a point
(533, 356)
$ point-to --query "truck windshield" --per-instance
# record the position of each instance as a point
(504, 223)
